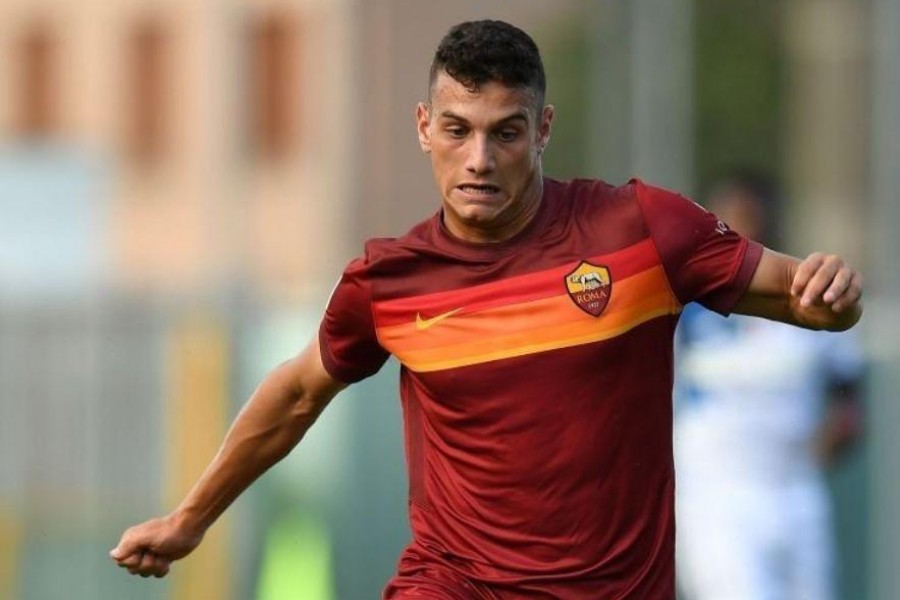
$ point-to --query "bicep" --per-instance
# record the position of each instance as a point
(307, 378)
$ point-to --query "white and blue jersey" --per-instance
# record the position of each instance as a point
(752, 510)
(751, 391)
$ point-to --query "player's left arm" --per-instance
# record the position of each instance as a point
(819, 292)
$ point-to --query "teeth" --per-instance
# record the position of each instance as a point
(479, 189)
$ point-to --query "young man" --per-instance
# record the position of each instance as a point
(753, 511)
(533, 320)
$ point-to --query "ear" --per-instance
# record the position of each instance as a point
(423, 122)
(545, 125)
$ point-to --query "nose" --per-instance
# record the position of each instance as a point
(480, 158)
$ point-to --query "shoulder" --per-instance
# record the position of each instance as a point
(650, 208)
(381, 253)
(675, 222)
(599, 210)
(405, 265)
(654, 200)
(587, 196)
(590, 193)
(384, 263)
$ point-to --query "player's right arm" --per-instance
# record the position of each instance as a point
(273, 421)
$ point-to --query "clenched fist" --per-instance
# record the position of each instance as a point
(151, 547)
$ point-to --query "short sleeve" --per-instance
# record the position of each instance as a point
(349, 347)
(704, 260)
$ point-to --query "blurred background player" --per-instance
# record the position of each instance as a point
(761, 408)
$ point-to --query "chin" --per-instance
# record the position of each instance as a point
(479, 214)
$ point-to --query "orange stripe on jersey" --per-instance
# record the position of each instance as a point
(521, 288)
(456, 338)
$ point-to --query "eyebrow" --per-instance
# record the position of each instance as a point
(517, 116)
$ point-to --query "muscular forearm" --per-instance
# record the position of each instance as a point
(272, 422)
(820, 292)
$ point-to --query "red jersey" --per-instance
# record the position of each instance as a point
(536, 378)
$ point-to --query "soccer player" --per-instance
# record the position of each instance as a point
(761, 408)
(534, 323)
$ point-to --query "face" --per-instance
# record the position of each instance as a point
(485, 148)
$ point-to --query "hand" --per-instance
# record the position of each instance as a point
(151, 547)
(827, 279)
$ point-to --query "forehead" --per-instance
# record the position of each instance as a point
(491, 101)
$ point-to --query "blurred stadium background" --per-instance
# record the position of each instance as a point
(181, 181)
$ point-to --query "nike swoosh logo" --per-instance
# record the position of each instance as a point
(423, 324)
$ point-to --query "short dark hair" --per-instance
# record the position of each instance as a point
(477, 52)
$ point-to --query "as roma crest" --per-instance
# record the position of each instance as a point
(589, 286)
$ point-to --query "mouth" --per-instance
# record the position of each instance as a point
(478, 189)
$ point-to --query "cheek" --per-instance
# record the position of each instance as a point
(522, 160)
(444, 155)
(443, 171)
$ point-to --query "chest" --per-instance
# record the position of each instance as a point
(446, 315)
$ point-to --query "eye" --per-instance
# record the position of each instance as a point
(507, 135)
(456, 131)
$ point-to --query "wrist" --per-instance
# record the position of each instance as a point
(189, 519)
